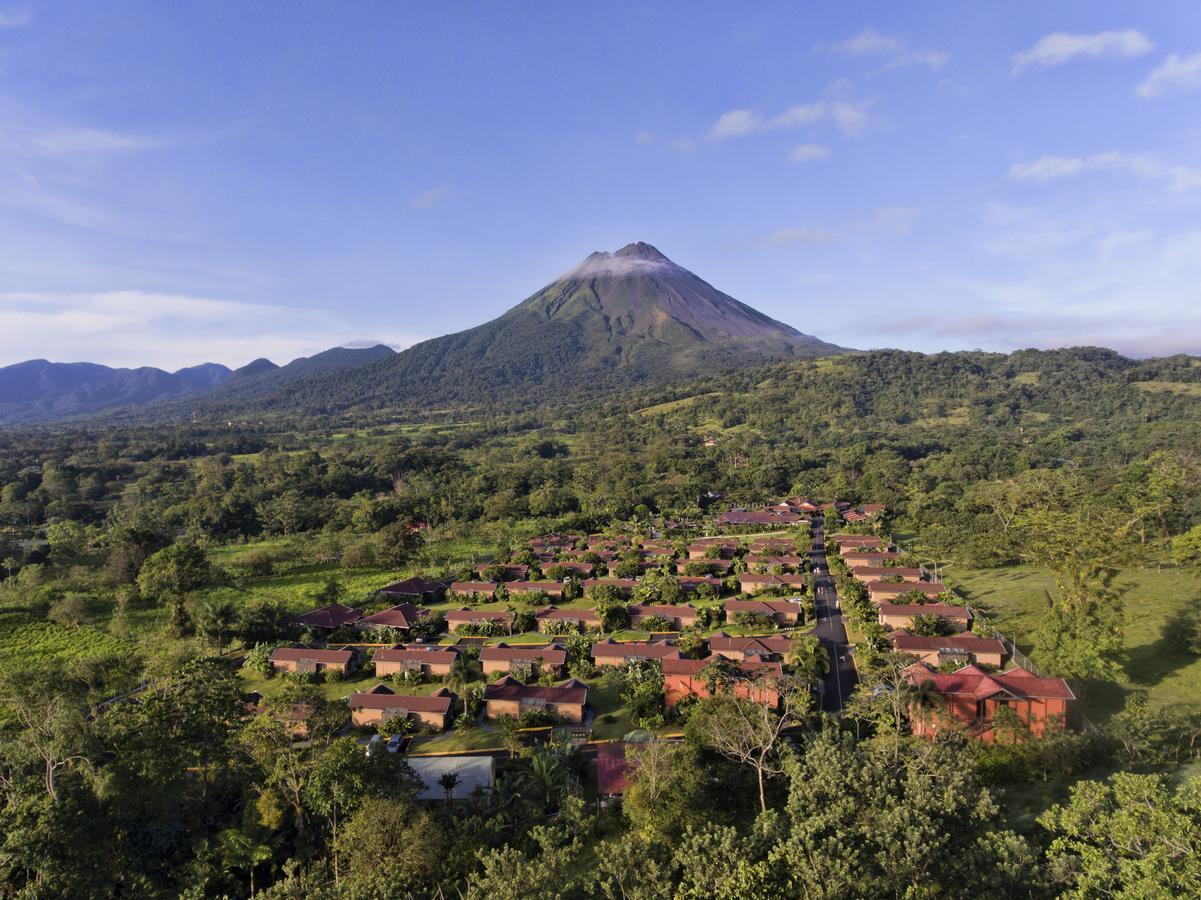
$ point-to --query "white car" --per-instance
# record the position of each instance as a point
(373, 745)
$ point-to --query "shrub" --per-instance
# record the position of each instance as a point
(258, 661)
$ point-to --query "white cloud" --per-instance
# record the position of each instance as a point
(784, 236)
(896, 52)
(848, 115)
(1046, 168)
(645, 137)
(1176, 73)
(429, 198)
(138, 328)
(808, 152)
(1059, 48)
(735, 123)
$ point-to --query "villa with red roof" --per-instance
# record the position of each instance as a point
(617, 653)
(887, 591)
(434, 660)
(328, 618)
(579, 618)
(505, 659)
(963, 648)
(784, 613)
(768, 647)
(901, 615)
(313, 659)
(456, 618)
(509, 697)
(686, 678)
(382, 703)
(403, 616)
(678, 617)
(971, 697)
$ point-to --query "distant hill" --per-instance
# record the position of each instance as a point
(39, 390)
(615, 320)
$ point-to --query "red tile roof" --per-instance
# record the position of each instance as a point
(904, 587)
(917, 609)
(612, 770)
(611, 649)
(406, 615)
(967, 643)
(433, 654)
(766, 607)
(508, 688)
(568, 615)
(478, 615)
(683, 611)
(674, 664)
(413, 587)
(333, 616)
(437, 702)
(473, 587)
(295, 654)
(975, 682)
(549, 655)
(750, 645)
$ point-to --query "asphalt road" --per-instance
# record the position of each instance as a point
(830, 628)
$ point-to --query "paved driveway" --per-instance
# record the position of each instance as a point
(831, 629)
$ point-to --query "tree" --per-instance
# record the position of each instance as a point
(663, 790)
(927, 625)
(747, 731)
(174, 571)
(217, 620)
(810, 660)
(464, 669)
(448, 781)
(264, 621)
(1129, 836)
(258, 660)
(389, 845)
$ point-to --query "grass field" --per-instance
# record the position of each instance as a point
(24, 641)
(1183, 388)
(1016, 596)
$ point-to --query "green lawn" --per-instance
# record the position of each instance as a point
(450, 742)
(604, 701)
(1015, 597)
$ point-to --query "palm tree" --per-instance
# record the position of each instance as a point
(448, 783)
(549, 774)
(464, 669)
(810, 660)
(217, 621)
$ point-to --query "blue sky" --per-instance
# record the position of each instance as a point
(220, 181)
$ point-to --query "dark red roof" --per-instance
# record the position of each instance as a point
(546, 587)
(904, 587)
(508, 688)
(405, 615)
(767, 607)
(437, 702)
(333, 616)
(683, 611)
(675, 664)
(610, 648)
(611, 769)
(473, 587)
(296, 654)
(550, 655)
(478, 615)
(974, 681)
(750, 645)
(413, 587)
(918, 609)
(434, 654)
(569, 615)
(968, 643)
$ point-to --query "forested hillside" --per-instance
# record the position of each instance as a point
(169, 560)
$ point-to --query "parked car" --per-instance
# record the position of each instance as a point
(374, 745)
(394, 743)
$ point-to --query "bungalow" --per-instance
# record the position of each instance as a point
(700, 548)
(715, 566)
(659, 548)
(570, 567)
(509, 571)
(766, 517)
(554, 541)
(578, 618)
(692, 582)
(328, 618)
(784, 561)
(885, 591)
(403, 616)
(871, 557)
(846, 546)
(773, 545)
(617, 653)
(381, 703)
(456, 618)
(552, 589)
(865, 573)
(420, 590)
(473, 588)
(971, 698)
(312, 659)
(678, 617)
(901, 615)
(621, 585)
(434, 660)
(505, 659)
(783, 612)
(962, 648)
(686, 678)
(509, 697)
(765, 647)
(752, 583)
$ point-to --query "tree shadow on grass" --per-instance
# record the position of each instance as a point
(1149, 664)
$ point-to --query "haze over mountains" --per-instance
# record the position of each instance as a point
(616, 319)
